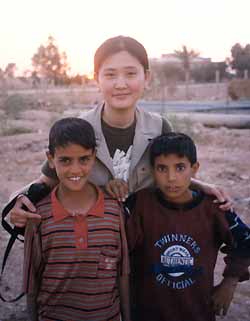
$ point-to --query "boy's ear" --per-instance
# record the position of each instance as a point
(195, 168)
(50, 160)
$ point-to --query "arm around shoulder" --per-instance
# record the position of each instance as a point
(23, 207)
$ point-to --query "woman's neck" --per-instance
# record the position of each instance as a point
(120, 118)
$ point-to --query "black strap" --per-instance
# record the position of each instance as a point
(35, 193)
(12, 300)
(5, 224)
(10, 244)
(13, 237)
(14, 232)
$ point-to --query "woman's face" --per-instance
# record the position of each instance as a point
(122, 80)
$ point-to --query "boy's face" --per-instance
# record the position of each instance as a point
(73, 164)
(173, 175)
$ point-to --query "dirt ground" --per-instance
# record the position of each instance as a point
(224, 156)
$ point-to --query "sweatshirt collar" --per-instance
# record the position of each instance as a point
(197, 198)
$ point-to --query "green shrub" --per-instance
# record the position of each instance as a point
(8, 130)
(14, 105)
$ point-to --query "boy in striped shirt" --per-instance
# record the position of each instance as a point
(75, 258)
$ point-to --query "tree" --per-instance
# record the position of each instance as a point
(10, 70)
(206, 73)
(2, 83)
(7, 76)
(186, 56)
(49, 62)
(240, 60)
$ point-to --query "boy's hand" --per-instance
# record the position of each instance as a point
(223, 295)
(118, 189)
(19, 216)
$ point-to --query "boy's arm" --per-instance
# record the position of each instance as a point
(31, 307)
(124, 297)
(223, 295)
(237, 262)
(241, 235)
(133, 223)
(31, 267)
(124, 271)
(237, 247)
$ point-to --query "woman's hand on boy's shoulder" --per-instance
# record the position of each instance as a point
(18, 215)
(117, 188)
(223, 199)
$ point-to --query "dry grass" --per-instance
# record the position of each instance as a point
(224, 156)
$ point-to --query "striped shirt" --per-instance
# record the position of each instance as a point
(75, 261)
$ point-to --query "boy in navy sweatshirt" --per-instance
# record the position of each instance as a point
(174, 235)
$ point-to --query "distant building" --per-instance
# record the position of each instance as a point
(172, 59)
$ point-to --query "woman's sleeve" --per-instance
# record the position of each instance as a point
(47, 171)
(166, 126)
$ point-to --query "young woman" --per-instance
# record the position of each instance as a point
(123, 130)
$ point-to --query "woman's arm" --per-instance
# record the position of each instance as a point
(218, 192)
(24, 208)
(49, 181)
(117, 188)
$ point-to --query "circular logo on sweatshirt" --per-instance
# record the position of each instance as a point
(177, 260)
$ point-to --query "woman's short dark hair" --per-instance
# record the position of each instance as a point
(173, 143)
(120, 43)
(71, 130)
